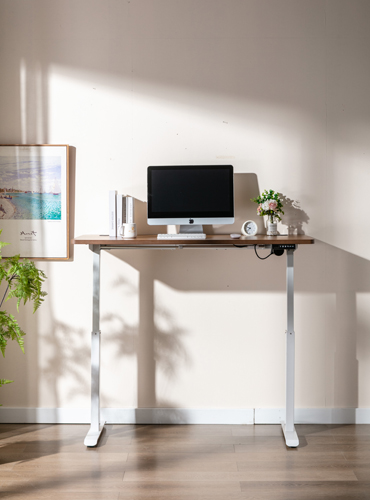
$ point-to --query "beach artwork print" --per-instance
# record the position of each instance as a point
(34, 200)
(30, 187)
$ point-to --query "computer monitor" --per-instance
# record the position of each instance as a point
(191, 195)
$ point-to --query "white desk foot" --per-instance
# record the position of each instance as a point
(291, 437)
(92, 437)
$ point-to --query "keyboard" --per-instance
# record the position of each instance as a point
(182, 236)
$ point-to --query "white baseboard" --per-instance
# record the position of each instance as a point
(44, 415)
(179, 415)
(129, 415)
(225, 416)
(314, 415)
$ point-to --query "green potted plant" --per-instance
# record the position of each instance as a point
(23, 281)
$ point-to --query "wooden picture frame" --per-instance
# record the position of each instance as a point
(34, 200)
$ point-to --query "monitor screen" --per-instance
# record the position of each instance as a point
(200, 194)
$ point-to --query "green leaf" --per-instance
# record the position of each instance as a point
(4, 381)
(24, 283)
(10, 330)
(3, 243)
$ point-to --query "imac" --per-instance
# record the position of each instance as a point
(190, 196)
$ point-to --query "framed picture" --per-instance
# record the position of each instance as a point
(34, 201)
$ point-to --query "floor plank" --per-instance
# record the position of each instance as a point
(184, 462)
(306, 490)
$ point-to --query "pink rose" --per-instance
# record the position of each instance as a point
(272, 204)
(259, 208)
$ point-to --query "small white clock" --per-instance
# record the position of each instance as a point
(249, 228)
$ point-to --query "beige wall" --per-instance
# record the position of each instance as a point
(278, 88)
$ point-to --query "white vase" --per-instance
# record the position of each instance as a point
(271, 227)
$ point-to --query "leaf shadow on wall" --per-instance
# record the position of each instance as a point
(294, 216)
(68, 359)
(157, 346)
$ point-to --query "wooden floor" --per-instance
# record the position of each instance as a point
(202, 462)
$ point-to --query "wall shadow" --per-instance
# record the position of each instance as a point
(294, 216)
(346, 332)
(68, 359)
(156, 346)
(141, 219)
(245, 188)
(72, 199)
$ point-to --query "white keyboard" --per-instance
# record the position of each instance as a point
(182, 236)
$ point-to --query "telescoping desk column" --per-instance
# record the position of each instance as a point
(277, 244)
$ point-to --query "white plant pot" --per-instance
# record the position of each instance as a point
(271, 228)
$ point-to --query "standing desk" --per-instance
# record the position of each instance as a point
(98, 243)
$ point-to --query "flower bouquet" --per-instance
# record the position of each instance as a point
(269, 203)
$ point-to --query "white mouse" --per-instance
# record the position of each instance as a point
(235, 235)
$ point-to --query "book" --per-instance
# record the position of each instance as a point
(121, 211)
(129, 209)
(125, 210)
(112, 213)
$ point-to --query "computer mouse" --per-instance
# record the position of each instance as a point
(235, 235)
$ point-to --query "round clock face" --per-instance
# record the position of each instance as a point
(249, 228)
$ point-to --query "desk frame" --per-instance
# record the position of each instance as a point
(97, 244)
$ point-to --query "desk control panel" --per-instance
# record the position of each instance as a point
(285, 246)
(278, 250)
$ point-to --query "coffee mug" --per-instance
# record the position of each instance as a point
(128, 230)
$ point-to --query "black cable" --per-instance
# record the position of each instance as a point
(255, 250)
(262, 258)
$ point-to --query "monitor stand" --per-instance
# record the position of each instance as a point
(190, 228)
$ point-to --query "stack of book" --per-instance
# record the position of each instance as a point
(121, 211)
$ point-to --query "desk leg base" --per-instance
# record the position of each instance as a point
(291, 437)
(92, 437)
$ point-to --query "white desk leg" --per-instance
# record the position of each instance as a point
(290, 434)
(96, 428)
